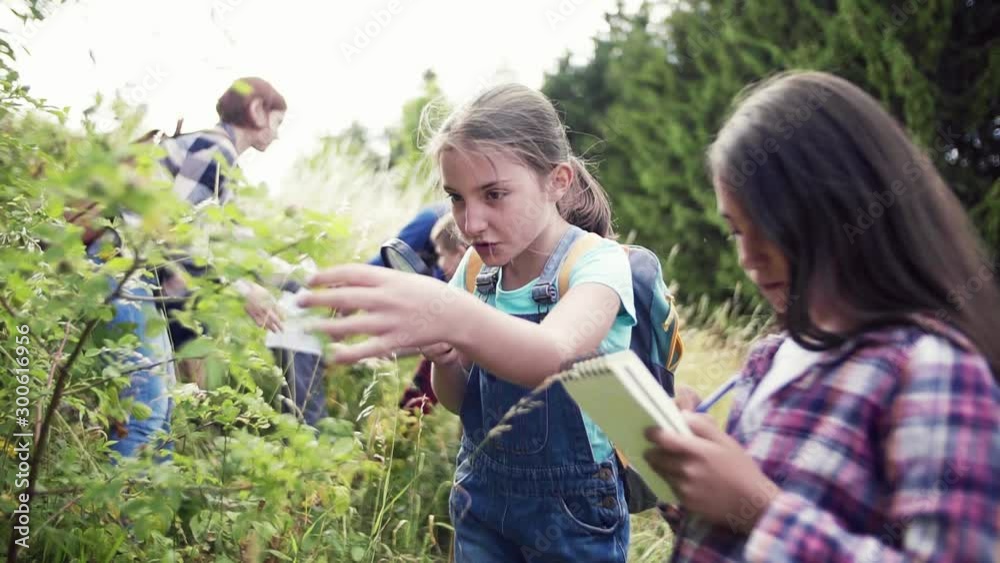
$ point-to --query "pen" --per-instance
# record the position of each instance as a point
(717, 394)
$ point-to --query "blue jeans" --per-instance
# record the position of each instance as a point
(150, 362)
(304, 373)
(152, 379)
(151, 390)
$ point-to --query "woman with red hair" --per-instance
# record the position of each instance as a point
(250, 112)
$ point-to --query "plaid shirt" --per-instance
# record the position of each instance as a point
(886, 449)
(193, 160)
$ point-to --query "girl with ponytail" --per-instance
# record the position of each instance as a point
(543, 485)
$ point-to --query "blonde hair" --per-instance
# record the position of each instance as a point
(445, 234)
(522, 122)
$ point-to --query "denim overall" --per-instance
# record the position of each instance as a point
(534, 492)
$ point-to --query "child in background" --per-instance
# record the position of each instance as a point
(545, 485)
(250, 114)
(449, 248)
(417, 234)
(869, 430)
(448, 245)
(150, 367)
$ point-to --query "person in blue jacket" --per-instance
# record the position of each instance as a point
(417, 234)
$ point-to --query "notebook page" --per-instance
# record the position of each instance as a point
(634, 370)
(623, 415)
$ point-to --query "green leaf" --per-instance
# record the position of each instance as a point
(198, 348)
(54, 208)
(341, 500)
(342, 448)
(141, 411)
(242, 87)
(216, 370)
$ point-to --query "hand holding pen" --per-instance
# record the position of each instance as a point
(687, 399)
(718, 394)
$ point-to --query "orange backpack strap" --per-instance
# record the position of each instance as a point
(583, 245)
(672, 327)
(472, 269)
(622, 459)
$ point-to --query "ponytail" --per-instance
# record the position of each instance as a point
(586, 205)
(524, 123)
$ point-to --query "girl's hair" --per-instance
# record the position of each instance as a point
(522, 122)
(445, 234)
(234, 105)
(858, 210)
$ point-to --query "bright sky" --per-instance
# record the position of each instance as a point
(334, 61)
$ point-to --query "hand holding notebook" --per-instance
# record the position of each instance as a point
(624, 399)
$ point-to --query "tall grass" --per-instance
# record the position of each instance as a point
(406, 508)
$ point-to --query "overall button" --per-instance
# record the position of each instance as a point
(605, 474)
(609, 502)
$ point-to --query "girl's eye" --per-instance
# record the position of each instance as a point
(495, 195)
(733, 235)
(455, 198)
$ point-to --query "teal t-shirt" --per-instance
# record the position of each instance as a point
(606, 264)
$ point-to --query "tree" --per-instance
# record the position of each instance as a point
(407, 139)
(661, 83)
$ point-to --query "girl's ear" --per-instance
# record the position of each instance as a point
(258, 116)
(560, 181)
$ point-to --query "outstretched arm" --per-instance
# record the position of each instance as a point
(404, 310)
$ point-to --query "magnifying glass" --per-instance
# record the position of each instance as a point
(400, 256)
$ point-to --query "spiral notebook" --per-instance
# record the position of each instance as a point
(619, 394)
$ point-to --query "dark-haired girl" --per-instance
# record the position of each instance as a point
(869, 429)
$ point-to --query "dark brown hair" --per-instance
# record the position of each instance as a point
(234, 105)
(858, 210)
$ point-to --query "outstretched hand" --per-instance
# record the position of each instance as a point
(396, 309)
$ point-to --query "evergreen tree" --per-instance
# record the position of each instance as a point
(662, 82)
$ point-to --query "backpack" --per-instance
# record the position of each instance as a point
(167, 171)
(655, 336)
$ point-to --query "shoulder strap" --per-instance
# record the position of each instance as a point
(546, 290)
(583, 245)
(478, 276)
(472, 270)
(672, 327)
(574, 244)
